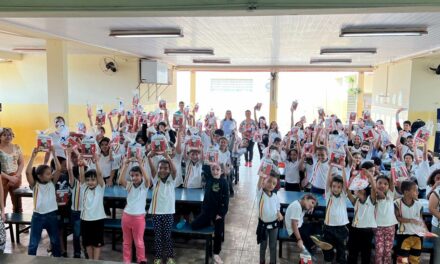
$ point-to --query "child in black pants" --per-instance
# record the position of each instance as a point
(214, 207)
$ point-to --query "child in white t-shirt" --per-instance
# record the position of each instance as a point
(92, 214)
(162, 207)
(411, 227)
(297, 229)
(42, 182)
(193, 173)
(385, 219)
(269, 215)
(225, 163)
(335, 231)
(133, 218)
(364, 221)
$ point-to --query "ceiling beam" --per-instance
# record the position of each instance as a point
(268, 68)
(10, 55)
(117, 8)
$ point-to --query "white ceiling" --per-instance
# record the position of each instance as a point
(246, 40)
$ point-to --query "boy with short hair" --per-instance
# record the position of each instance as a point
(408, 212)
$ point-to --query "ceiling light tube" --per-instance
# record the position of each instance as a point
(330, 60)
(348, 50)
(212, 61)
(148, 33)
(29, 49)
(189, 51)
(382, 31)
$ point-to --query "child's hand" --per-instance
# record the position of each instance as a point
(35, 152)
(218, 217)
(280, 217)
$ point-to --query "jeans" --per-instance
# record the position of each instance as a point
(271, 237)
(75, 221)
(249, 154)
(295, 187)
(49, 222)
(337, 236)
(133, 227)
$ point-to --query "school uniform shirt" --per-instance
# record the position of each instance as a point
(413, 211)
(105, 164)
(164, 197)
(309, 171)
(291, 171)
(44, 198)
(93, 203)
(364, 214)
(193, 175)
(136, 199)
(435, 221)
(294, 212)
(273, 135)
(269, 206)
(320, 171)
(238, 153)
(75, 190)
(385, 215)
(336, 210)
(406, 149)
(224, 157)
(421, 172)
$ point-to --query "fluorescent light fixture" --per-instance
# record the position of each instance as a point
(189, 51)
(212, 61)
(29, 49)
(330, 60)
(382, 31)
(4, 60)
(348, 50)
(148, 33)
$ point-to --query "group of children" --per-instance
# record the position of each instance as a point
(206, 154)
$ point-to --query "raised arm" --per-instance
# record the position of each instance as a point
(399, 128)
(101, 181)
(70, 166)
(172, 167)
(29, 176)
(122, 181)
(57, 173)
(373, 193)
(316, 138)
(147, 181)
(81, 163)
(179, 141)
(2, 204)
(329, 179)
(151, 163)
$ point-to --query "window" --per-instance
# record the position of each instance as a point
(232, 85)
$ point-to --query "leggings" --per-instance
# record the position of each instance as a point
(384, 238)
(271, 237)
(249, 154)
(163, 245)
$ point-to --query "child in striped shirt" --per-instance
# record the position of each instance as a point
(162, 207)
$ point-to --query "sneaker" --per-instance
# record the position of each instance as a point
(171, 261)
(157, 261)
(250, 164)
(181, 224)
(321, 244)
(143, 262)
(217, 259)
(246, 164)
(231, 195)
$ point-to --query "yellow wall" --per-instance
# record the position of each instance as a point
(23, 92)
(399, 86)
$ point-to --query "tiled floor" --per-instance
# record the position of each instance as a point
(240, 244)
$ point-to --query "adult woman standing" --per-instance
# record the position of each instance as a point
(247, 129)
(228, 125)
(12, 164)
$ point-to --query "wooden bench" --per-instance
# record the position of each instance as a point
(283, 236)
(17, 219)
(204, 233)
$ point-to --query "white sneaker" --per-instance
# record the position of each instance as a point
(217, 259)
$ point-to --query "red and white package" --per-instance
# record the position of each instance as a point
(211, 156)
(135, 100)
(352, 117)
(367, 134)
(422, 135)
(158, 143)
(399, 171)
(162, 104)
(258, 137)
(308, 147)
(121, 110)
(186, 111)
(358, 183)
(329, 124)
(266, 167)
(134, 150)
(129, 118)
(337, 158)
(88, 147)
(81, 128)
(305, 258)
(62, 197)
(100, 115)
(194, 143)
(366, 115)
(44, 142)
(294, 105)
(177, 120)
